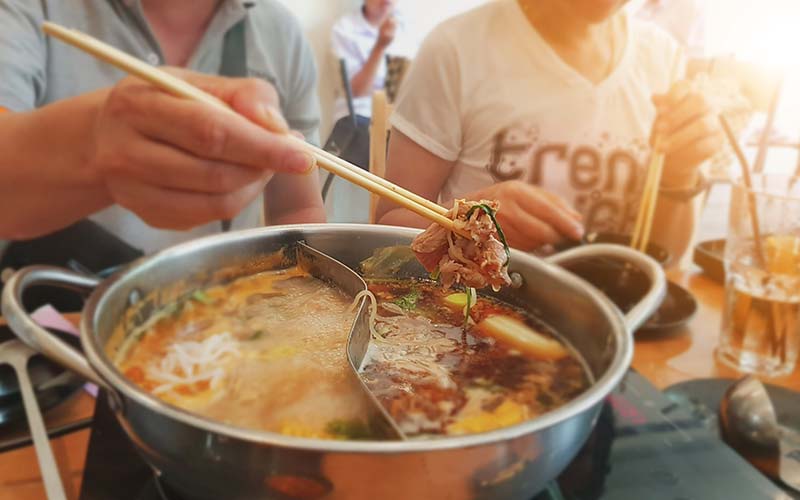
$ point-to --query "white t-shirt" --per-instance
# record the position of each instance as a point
(487, 92)
(352, 39)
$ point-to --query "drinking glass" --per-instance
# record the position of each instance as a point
(761, 319)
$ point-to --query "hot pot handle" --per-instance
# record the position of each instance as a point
(32, 334)
(637, 316)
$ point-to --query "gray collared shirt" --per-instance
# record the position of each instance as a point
(36, 70)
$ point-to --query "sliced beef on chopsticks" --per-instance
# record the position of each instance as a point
(475, 262)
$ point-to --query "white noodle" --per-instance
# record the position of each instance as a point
(373, 311)
(417, 354)
(191, 362)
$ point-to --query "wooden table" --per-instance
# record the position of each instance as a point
(664, 359)
(689, 353)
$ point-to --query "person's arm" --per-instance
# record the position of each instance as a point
(294, 199)
(674, 226)
(363, 81)
(175, 163)
(691, 134)
(426, 179)
(297, 199)
(45, 181)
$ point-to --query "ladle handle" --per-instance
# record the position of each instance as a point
(34, 335)
(640, 313)
(44, 454)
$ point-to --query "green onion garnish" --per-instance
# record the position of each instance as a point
(201, 296)
(488, 210)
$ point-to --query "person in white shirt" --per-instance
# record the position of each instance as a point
(363, 38)
(548, 106)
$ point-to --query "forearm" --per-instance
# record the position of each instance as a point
(293, 199)
(362, 82)
(45, 182)
(674, 226)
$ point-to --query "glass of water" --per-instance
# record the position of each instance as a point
(761, 319)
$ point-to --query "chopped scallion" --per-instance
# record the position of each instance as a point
(349, 429)
(409, 301)
(472, 299)
(201, 296)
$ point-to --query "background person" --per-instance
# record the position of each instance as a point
(363, 38)
(79, 139)
(548, 106)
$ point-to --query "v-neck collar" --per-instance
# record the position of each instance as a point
(229, 12)
(536, 44)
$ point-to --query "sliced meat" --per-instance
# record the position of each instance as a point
(431, 246)
(478, 261)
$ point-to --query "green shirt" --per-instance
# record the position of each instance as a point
(36, 70)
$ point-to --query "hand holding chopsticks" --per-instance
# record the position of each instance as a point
(644, 219)
(687, 131)
(180, 88)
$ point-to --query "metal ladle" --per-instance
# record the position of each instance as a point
(17, 354)
(324, 267)
(749, 425)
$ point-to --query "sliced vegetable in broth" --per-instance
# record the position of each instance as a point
(436, 375)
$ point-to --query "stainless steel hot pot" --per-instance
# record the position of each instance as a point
(204, 459)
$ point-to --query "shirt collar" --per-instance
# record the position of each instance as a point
(232, 11)
(238, 3)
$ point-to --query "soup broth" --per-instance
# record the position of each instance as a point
(268, 352)
(264, 352)
(437, 375)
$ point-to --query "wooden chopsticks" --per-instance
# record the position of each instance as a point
(180, 88)
(644, 219)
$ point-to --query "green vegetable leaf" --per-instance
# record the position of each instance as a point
(491, 213)
(409, 301)
(349, 429)
(472, 298)
(201, 296)
(435, 273)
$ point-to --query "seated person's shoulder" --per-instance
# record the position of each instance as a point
(271, 16)
(471, 29)
(651, 39)
(349, 22)
(28, 7)
(20, 15)
(654, 49)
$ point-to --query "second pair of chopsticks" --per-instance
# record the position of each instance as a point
(644, 219)
(180, 88)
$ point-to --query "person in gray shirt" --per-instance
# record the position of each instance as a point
(78, 138)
